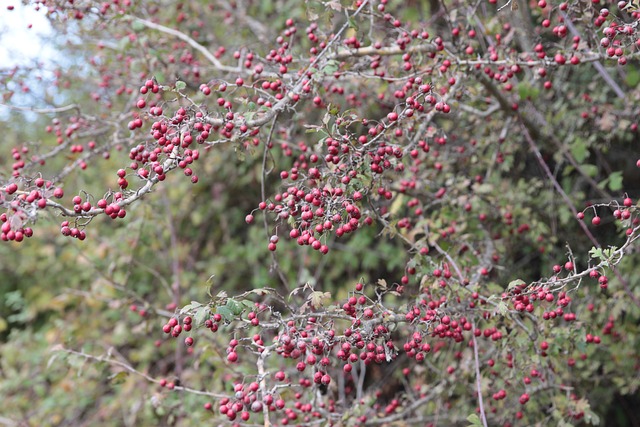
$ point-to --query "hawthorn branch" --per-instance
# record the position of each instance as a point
(257, 28)
(383, 51)
(274, 259)
(65, 145)
(191, 42)
(107, 359)
(90, 154)
(450, 259)
(536, 129)
(547, 61)
(426, 121)
(536, 151)
(566, 153)
(480, 113)
(611, 262)
(402, 415)
(176, 269)
(53, 110)
(169, 164)
(8, 422)
(263, 383)
(597, 65)
(476, 360)
(290, 98)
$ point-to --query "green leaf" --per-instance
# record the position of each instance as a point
(201, 315)
(123, 43)
(266, 7)
(596, 253)
(247, 304)
(180, 85)
(526, 91)
(352, 23)
(615, 181)
(189, 307)
(502, 308)
(589, 170)
(579, 150)
(482, 188)
(137, 26)
(474, 420)
(312, 11)
(330, 67)
(234, 307)
(240, 153)
(633, 77)
(226, 314)
(317, 298)
(118, 378)
(591, 417)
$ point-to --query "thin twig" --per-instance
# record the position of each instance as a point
(132, 370)
(276, 265)
(52, 110)
(191, 42)
(598, 66)
(476, 359)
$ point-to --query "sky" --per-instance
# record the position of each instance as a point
(23, 42)
(19, 44)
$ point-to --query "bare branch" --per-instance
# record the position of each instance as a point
(107, 359)
(52, 110)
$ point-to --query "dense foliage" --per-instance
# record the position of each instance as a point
(322, 213)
